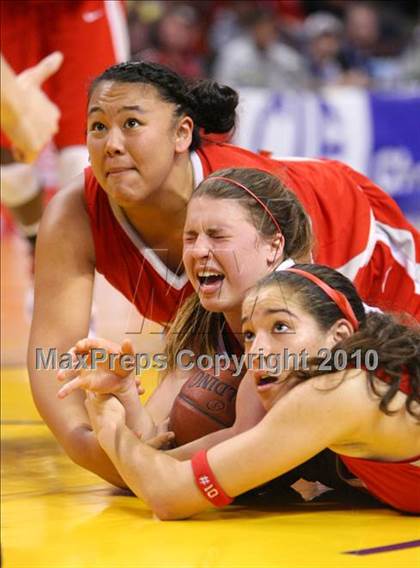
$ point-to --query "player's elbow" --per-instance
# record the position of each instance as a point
(166, 510)
(169, 504)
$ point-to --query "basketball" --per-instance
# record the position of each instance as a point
(204, 404)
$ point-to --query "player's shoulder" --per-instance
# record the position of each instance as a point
(339, 391)
(67, 209)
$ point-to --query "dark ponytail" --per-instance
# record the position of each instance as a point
(211, 106)
(396, 343)
(398, 350)
(215, 106)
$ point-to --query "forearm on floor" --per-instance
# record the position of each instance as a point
(83, 448)
(153, 476)
(186, 451)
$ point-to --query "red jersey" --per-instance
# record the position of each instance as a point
(395, 483)
(358, 230)
(127, 263)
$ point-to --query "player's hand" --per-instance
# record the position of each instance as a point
(100, 366)
(161, 441)
(163, 438)
(37, 118)
(104, 411)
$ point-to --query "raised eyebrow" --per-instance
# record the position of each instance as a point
(275, 311)
(131, 107)
(271, 311)
(135, 108)
(94, 109)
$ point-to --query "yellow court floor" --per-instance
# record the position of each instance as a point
(54, 514)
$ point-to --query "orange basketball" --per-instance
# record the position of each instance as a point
(204, 404)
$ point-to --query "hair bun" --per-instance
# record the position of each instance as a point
(214, 106)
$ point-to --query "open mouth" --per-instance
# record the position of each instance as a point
(266, 380)
(210, 278)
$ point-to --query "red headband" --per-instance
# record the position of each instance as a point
(336, 296)
(252, 194)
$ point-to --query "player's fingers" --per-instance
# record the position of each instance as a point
(69, 387)
(163, 426)
(88, 343)
(139, 386)
(161, 440)
(67, 374)
(44, 69)
(127, 347)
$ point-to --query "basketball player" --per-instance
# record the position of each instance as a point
(218, 220)
(369, 419)
(91, 35)
(127, 218)
(232, 237)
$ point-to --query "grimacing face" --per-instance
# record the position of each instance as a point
(132, 140)
(224, 255)
(275, 323)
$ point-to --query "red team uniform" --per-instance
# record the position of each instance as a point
(91, 34)
(395, 483)
(358, 228)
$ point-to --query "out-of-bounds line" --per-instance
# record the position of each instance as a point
(386, 548)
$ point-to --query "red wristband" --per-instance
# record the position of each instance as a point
(207, 482)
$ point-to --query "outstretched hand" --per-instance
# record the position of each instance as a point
(99, 366)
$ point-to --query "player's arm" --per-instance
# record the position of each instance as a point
(249, 411)
(63, 297)
(303, 423)
(160, 402)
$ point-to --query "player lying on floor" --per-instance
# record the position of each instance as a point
(241, 225)
(149, 145)
(252, 212)
(370, 419)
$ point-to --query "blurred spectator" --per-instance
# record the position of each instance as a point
(410, 61)
(229, 21)
(335, 7)
(362, 36)
(141, 17)
(174, 41)
(323, 36)
(355, 42)
(258, 59)
(374, 43)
